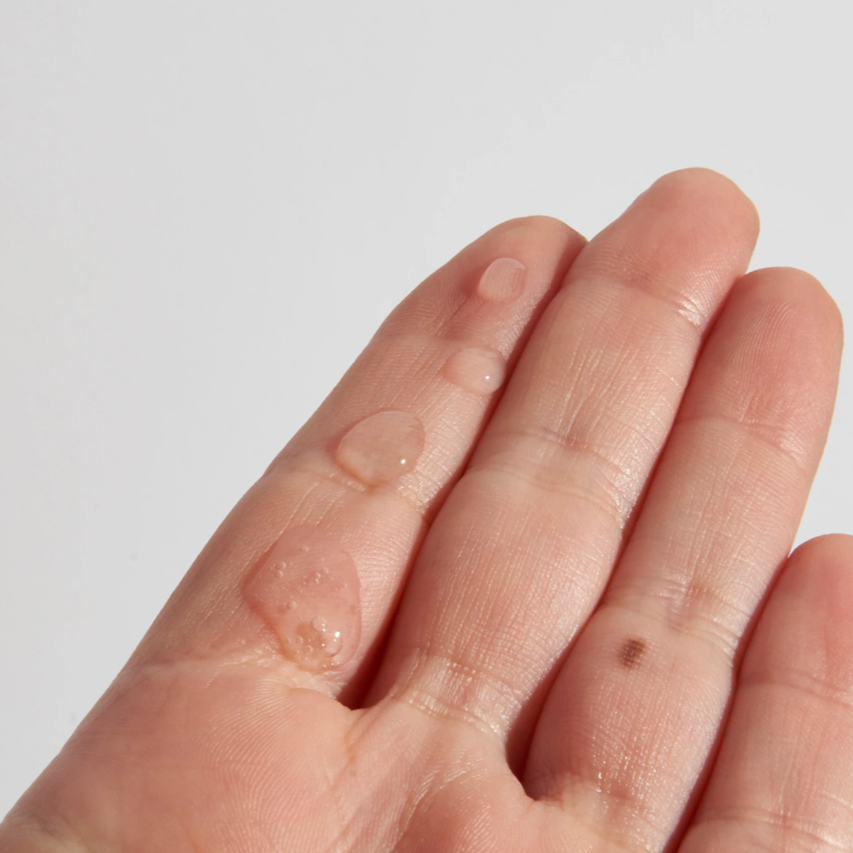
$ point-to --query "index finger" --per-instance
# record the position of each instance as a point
(306, 569)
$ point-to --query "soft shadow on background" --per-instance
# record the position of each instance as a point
(206, 208)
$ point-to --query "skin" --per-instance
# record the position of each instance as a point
(581, 626)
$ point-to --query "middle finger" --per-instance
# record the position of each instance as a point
(520, 552)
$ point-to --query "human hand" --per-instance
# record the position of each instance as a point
(508, 588)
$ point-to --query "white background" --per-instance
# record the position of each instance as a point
(207, 207)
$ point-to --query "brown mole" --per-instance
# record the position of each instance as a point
(631, 652)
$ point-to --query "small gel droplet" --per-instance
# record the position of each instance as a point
(502, 280)
(382, 447)
(480, 371)
(313, 606)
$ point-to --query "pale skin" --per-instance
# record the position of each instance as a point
(581, 629)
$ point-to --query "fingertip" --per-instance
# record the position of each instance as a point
(774, 356)
(705, 180)
(832, 552)
(817, 584)
(799, 287)
(682, 186)
(538, 229)
(692, 233)
(541, 243)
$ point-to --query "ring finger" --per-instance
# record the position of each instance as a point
(634, 714)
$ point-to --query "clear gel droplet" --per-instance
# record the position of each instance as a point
(502, 280)
(382, 447)
(310, 597)
(480, 371)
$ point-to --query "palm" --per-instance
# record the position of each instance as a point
(558, 647)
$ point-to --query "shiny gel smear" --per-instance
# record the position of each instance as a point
(382, 447)
(480, 371)
(502, 280)
(307, 590)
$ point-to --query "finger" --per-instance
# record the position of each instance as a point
(305, 569)
(783, 778)
(519, 554)
(634, 713)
